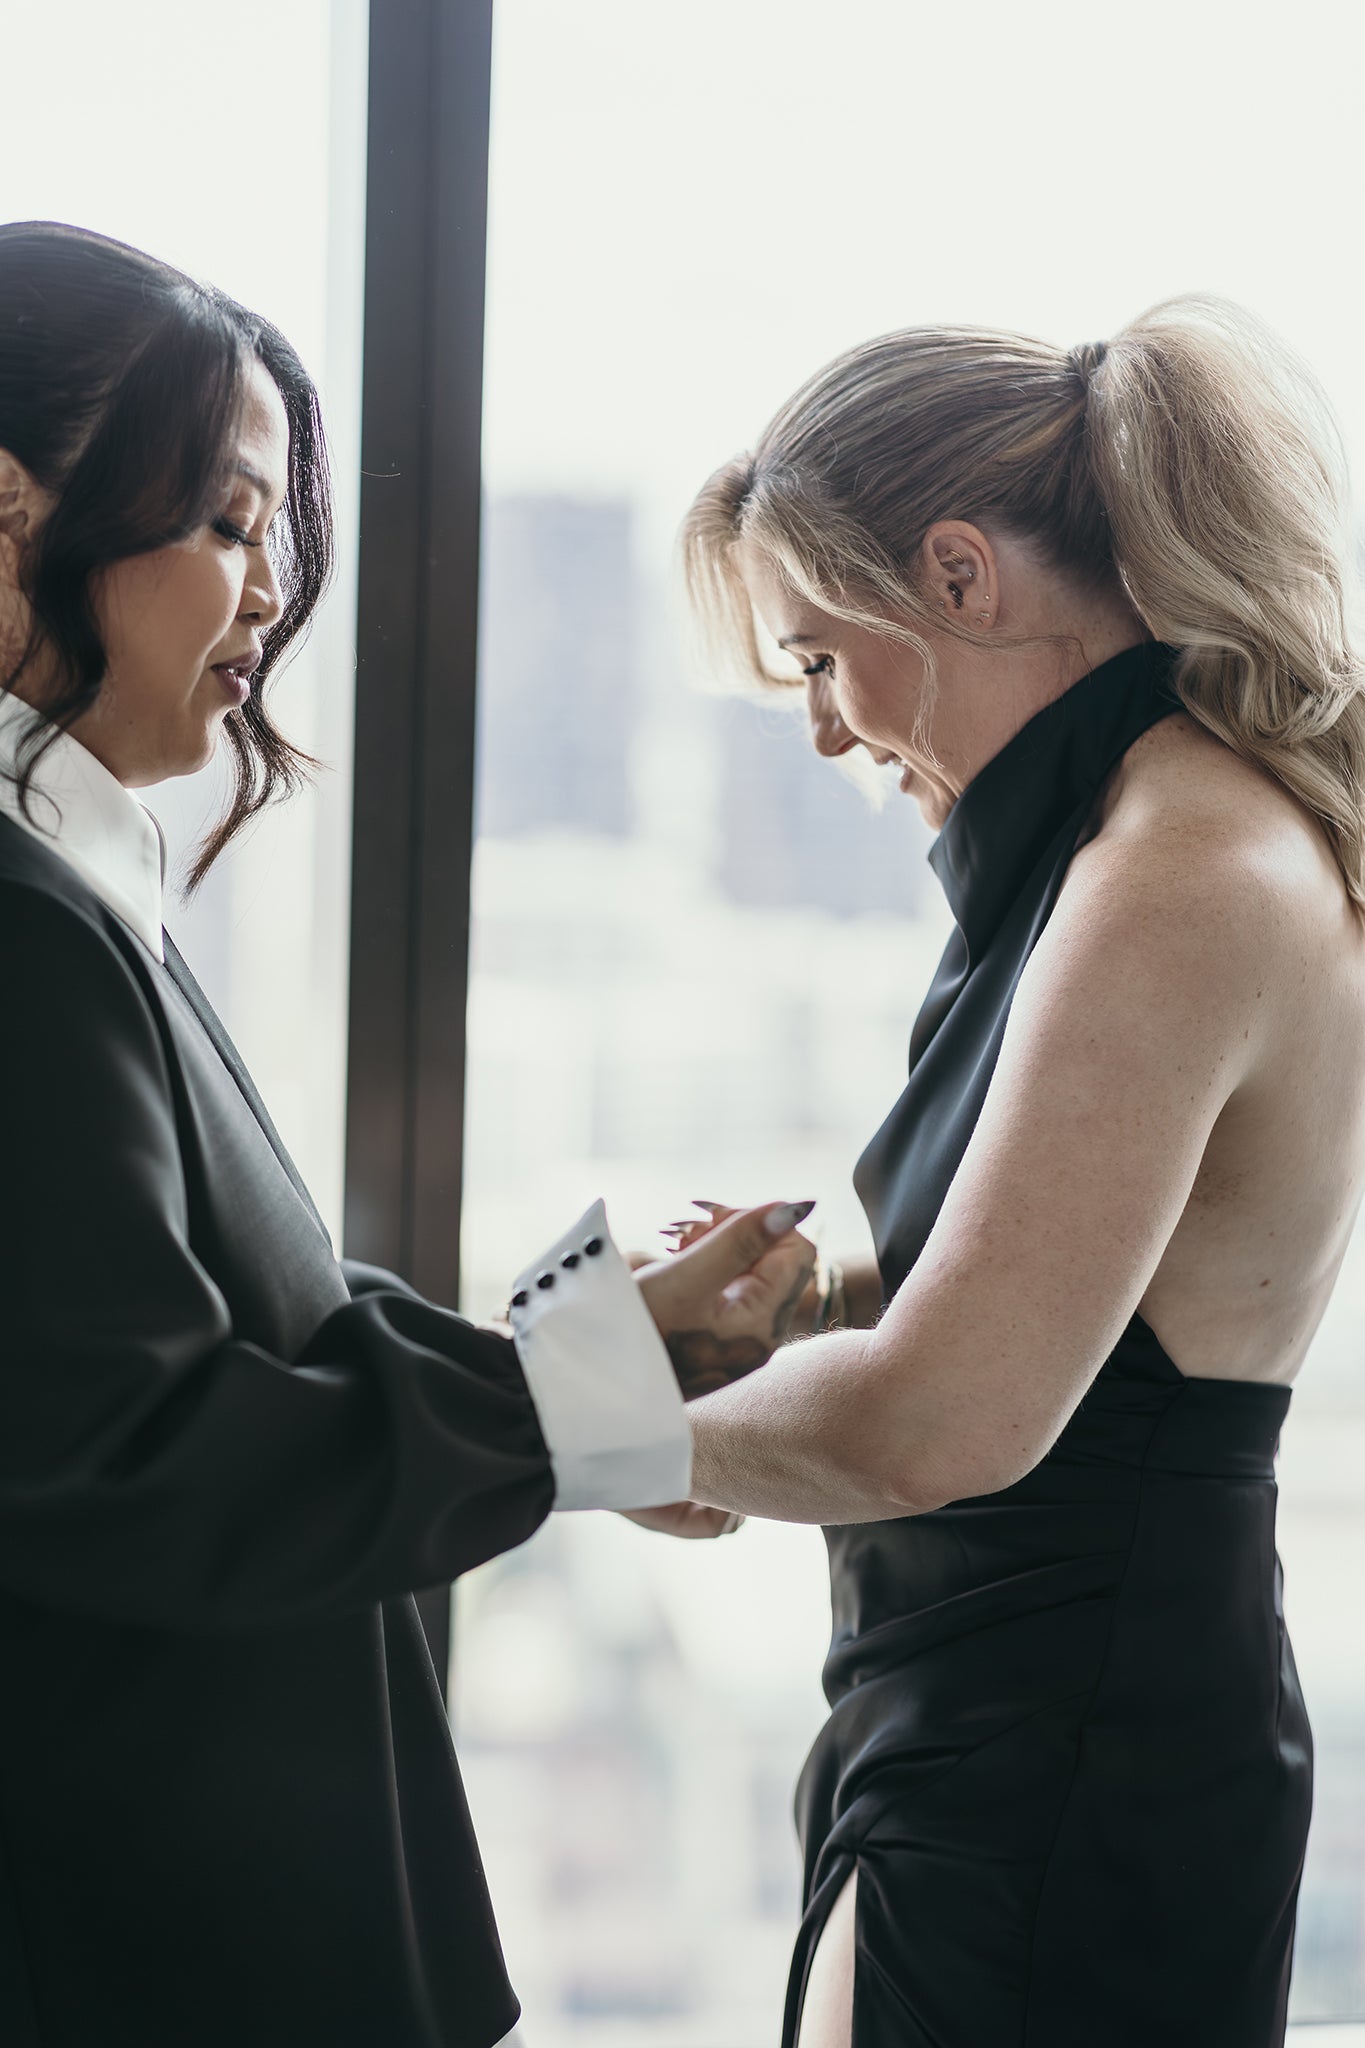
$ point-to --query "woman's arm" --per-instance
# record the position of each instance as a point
(1139, 1016)
(155, 1466)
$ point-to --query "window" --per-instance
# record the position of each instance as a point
(128, 121)
(697, 952)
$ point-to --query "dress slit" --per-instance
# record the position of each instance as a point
(813, 1924)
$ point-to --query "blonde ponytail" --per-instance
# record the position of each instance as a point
(1221, 473)
(1191, 461)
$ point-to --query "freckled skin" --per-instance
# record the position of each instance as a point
(1199, 998)
(1248, 1270)
(1263, 1223)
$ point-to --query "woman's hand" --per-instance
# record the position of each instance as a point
(801, 1322)
(724, 1303)
(860, 1296)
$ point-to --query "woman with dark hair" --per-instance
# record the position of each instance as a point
(229, 1809)
(1092, 604)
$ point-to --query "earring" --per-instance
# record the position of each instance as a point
(955, 593)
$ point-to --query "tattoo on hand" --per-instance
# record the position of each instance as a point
(703, 1362)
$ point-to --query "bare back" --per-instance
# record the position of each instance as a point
(1246, 1276)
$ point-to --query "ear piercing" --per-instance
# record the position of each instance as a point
(968, 575)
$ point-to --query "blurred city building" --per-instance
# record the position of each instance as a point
(558, 630)
(797, 834)
(567, 705)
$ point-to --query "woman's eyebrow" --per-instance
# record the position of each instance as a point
(253, 476)
(797, 640)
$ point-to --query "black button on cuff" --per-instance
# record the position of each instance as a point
(520, 1298)
(593, 1247)
(569, 1261)
(545, 1280)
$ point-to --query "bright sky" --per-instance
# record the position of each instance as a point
(695, 205)
(198, 132)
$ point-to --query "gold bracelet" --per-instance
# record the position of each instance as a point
(831, 1307)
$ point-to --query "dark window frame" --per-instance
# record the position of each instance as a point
(416, 646)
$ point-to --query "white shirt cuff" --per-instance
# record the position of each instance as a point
(604, 1390)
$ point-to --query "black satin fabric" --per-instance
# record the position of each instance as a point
(1067, 1753)
(230, 1812)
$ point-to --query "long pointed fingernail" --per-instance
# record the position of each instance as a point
(779, 1221)
(698, 1203)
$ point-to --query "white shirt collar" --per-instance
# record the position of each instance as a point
(86, 815)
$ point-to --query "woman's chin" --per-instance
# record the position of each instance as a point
(932, 803)
(210, 742)
(193, 756)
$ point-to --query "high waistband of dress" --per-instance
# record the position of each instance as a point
(1142, 1411)
(1226, 1428)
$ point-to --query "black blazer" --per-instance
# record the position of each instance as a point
(230, 1815)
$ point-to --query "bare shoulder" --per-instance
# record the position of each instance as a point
(1205, 906)
(1191, 831)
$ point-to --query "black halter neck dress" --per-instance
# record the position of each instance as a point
(1067, 1752)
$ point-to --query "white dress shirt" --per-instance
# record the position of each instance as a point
(86, 815)
(603, 1388)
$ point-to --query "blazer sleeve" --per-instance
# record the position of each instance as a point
(154, 1467)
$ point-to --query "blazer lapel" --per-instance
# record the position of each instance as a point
(232, 1060)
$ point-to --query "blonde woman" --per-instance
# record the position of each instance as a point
(1093, 603)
